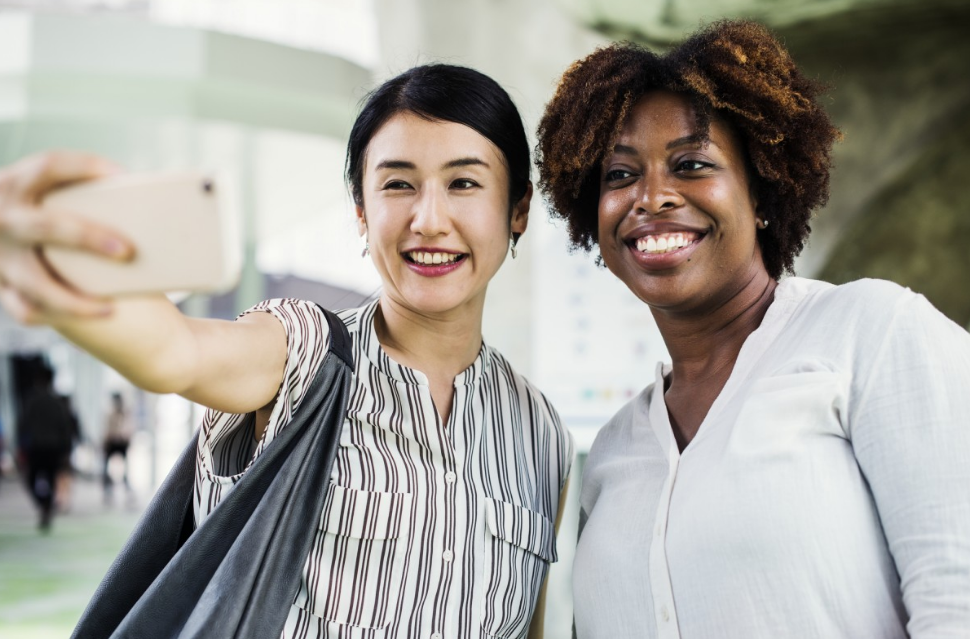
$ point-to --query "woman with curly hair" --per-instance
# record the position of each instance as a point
(801, 468)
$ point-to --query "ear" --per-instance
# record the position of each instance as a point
(753, 195)
(361, 220)
(520, 212)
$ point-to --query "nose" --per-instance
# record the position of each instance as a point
(429, 217)
(658, 193)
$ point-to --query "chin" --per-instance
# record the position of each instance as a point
(661, 291)
(433, 301)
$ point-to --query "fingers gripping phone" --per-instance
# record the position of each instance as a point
(184, 230)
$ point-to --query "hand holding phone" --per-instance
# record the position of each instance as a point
(183, 227)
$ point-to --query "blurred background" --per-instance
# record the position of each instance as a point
(266, 90)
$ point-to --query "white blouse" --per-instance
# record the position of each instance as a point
(429, 529)
(826, 494)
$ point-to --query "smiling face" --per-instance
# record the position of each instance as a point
(676, 218)
(436, 213)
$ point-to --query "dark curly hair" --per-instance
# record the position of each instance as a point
(735, 71)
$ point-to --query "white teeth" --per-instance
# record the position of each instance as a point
(423, 257)
(664, 243)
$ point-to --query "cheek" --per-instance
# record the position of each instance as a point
(733, 205)
(486, 230)
(610, 213)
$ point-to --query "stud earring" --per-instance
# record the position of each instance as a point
(366, 245)
(760, 223)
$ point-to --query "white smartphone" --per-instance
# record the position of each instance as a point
(184, 228)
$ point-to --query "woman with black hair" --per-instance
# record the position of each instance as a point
(439, 514)
(802, 467)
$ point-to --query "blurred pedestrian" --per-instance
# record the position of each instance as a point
(117, 437)
(44, 432)
(65, 474)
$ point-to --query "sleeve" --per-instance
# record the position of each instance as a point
(227, 445)
(910, 431)
(563, 446)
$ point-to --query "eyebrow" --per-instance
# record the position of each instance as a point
(469, 161)
(452, 164)
(624, 149)
(695, 139)
(395, 164)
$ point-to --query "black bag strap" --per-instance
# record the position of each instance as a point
(238, 573)
(341, 344)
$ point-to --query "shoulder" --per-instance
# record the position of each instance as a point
(306, 328)
(872, 305)
(304, 318)
(860, 296)
(863, 308)
(295, 314)
(616, 433)
(534, 404)
(867, 293)
(883, 333)
(616, 440)
(350, 318)
(522, 386)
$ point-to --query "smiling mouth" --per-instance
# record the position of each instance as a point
(426, 258)
(660, 243)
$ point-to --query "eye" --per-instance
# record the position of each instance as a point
(396, 185)
(690, 166)
(463, 184)
(617, 175)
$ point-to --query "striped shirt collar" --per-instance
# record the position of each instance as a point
(371, 348)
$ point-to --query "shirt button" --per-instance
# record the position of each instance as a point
(660, 531)
(450, 477)
(447, 555)
(436, 635)
(664, 613)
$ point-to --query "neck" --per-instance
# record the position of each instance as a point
(706, 344)
(440, 346)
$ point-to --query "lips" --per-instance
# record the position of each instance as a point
(431, 262)
(659, 243)
(431, 257)
(659, 247)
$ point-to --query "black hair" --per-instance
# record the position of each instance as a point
(447, 93)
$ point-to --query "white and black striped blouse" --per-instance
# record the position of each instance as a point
(429, 530)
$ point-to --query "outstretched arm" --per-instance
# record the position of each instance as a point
(230, 366)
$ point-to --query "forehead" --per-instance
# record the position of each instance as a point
(660, 118)
(660, 111)
(429, 143)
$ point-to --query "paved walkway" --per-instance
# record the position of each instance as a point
(46, 579)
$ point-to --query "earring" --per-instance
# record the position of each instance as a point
(760, 223)
(366, 245)
(512, 241)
